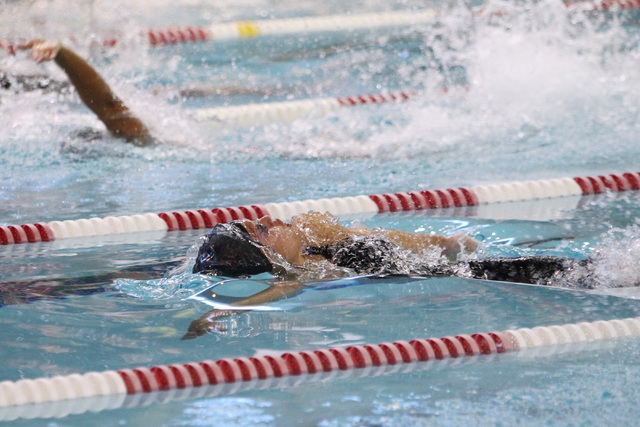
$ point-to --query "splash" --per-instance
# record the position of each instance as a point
(614, 261)
(168, 290)
(518, 77)
(535, 76)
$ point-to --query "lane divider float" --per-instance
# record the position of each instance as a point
(339, 206)
(246, 29)
(604, 6)
(304, 364)
(301, 25)
(98, 403)
(272, 112)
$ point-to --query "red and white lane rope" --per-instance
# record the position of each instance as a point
(273, 112)
(243, 29)
(339, 206)
(192, 376)
(604, 6)
(302, 25)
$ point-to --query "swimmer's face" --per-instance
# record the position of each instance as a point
(259, 229)
(277, 235)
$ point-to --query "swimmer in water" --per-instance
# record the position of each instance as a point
(287, 250)
(317, 246)
(94, 92)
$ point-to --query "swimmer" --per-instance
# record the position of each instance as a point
(317, 246)
(311, 246)
(94, 92)
(285, 250)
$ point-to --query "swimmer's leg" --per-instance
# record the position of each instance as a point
(529, 269)
(24, 292)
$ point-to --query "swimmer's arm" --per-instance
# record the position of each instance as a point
(276, 292)
(93, 90)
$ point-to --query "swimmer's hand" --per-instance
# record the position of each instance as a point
(42, 50)
(208, 323)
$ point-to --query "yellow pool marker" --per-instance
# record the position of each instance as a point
(248, 29)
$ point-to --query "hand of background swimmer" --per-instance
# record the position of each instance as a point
(42, 50)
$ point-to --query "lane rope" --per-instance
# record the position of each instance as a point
(301, 25)
(339, 206)
(195, 378)
(251, 29)
(604, 6)
(262, 114)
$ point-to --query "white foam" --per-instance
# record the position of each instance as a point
(615, 260)
(612, 266)
(534, 76)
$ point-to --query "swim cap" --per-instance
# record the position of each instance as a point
(229, 250)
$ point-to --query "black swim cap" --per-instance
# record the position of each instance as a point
(230, 251)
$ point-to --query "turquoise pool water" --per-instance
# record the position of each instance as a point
(536, 93)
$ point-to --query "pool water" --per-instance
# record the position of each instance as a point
(536, 92)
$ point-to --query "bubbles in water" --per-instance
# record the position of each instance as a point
(615, 259)
(169, 289)
(613, 263)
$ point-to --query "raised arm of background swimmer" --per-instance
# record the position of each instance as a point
(92, 89)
